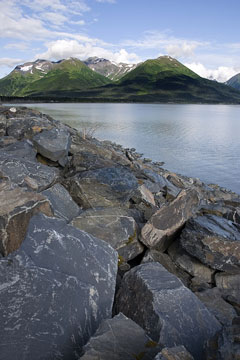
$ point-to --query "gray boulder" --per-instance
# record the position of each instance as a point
(20, 149)
(174, 353)
(215, 241)
(120, 338)
(61, 202)
(55, 291)
(27, 126)
(113, 226)
(106, 187)
(169, 219)
(17, 207)
(53, 144)
(27, 173)
(168, 311)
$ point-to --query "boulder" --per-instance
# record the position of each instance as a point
(17, 208)
(174, 353)
(221, 309)
(53, 144)
(106, 187)
(227, 281)
(55, 291)
(20, 149)
(120, 338)
(27, 173)
(27, 126)
(61, 202)
(190, 264)
(214, 240)
(113, 226)
(169, 219)
(84, 161)
(168, 311)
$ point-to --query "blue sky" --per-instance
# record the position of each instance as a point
(204, 35)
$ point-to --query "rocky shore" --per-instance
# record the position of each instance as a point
(108, 256)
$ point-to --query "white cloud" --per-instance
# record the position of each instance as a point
(183, 50)
(17, 46)
(9, 62)
(62, 49)
(221, 74)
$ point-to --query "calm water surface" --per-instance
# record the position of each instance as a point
(195, 140)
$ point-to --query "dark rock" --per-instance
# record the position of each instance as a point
(55, 291)
(113, 226)
(53, 144)
(174, 353)
(27, 127)
(222, 310)
(20, 149)
(166, 222)
(61, 202)
(107, 187)
(190, 264)
(214, 241)
(17, 207)
(27, 173)
(227, 281)
(169, 312)
(143, 200)
(120, 338)
(85, 161)
(7, 140)
(3, 125)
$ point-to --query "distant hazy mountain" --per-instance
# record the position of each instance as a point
(110, 69)
(234, 82)
(43, 76)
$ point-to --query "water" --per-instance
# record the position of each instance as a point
(195, 140)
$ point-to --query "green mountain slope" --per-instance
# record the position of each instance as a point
(66, 75)
(234, 82)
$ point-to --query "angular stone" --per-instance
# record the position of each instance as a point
(27, 173)
(20, 149)
(174, 353)
(165, 260)
(142, 194)
(120, 338)
(169, 312)
(227, 281)
(27, 126)
(166, 222)
(222, 310)
(61, 202)
(190, 264)
(107, 187)
(53, 144)
(114, 227)
(84, 161)
(17, 207)
(7, 140)
(55, 291)
(215, 241)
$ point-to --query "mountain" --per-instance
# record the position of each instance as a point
(110, 69)
(46, 77)
(234, 82)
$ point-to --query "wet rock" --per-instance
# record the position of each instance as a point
(53, 144)
(166, 222)
(221, 309)
(55, 291)
(61, 202)
(27, 173)
(174, 353)
(227, 281)
(169, 312)
(190, 264)
(17, 208)
(107, 187)
(214, 241)
(120, 338)
(166, 261)
(113, 226)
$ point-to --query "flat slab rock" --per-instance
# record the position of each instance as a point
(213, 240)
(61, 202)
(164, 224)
(17, 208)
(114, 227)
(106, 187)
(168, 311)
(55, 291)
(27, 173)
(120, 338)
(53, 144)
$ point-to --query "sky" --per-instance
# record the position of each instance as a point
(203, 35)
